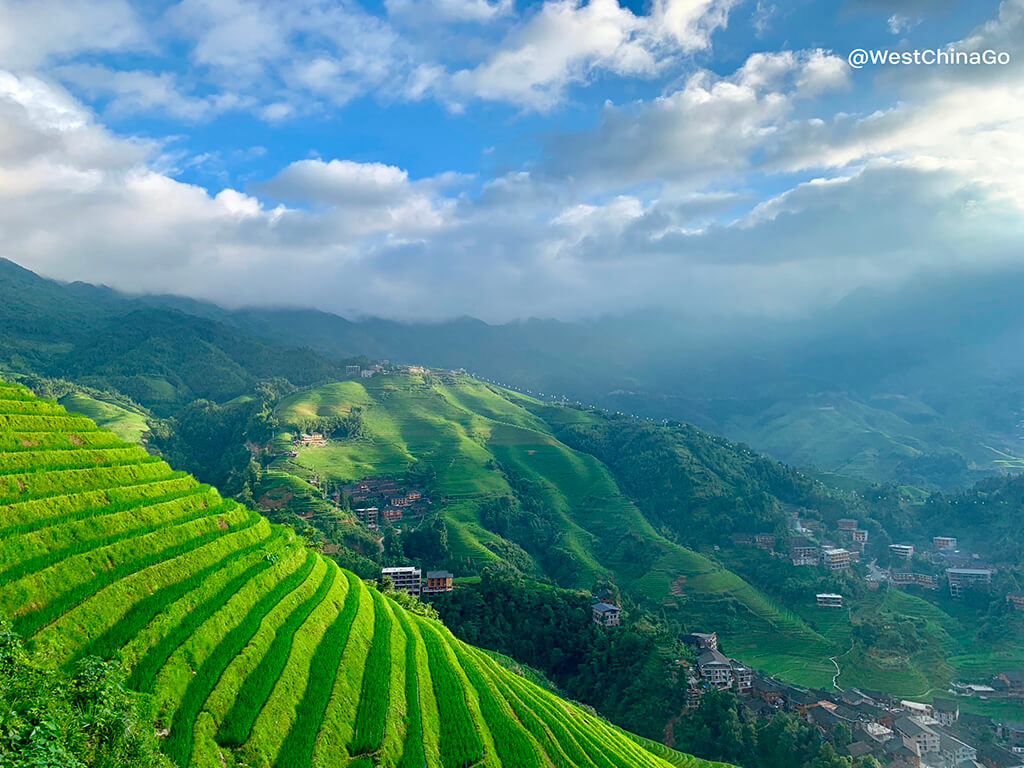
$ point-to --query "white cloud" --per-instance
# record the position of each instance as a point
(569, 41)
(709, 126)
(133, 91)
(35, 32)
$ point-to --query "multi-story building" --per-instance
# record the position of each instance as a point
(946, 711)
(367, 515)
(405, 578)
(391, 514)
(901, 578)
(859, 535)
(944, 542)
(438, 581)
(962, 579)
(954, 751)
(829, 600)
(743, 676)
(606, 614)
(835, 559)
(716, 669)
(919, 738)
(803, 551)
(905, 551)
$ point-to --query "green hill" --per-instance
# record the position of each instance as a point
(479, 443)
(252, 646)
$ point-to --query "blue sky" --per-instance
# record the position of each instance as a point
(431, 158)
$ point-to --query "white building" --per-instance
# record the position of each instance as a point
(901, 550)
(835, 559)
(829, 600)
(405, 578)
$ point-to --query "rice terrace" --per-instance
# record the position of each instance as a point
(252, 647)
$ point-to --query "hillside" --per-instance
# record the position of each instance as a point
(584, 498)
(252, 646)
(566, 517)
(870, 390)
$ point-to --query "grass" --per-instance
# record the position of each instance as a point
(127, 424)
(297, 749)
(236, 727)
(254, 648)
(178, 745)
(371, 714)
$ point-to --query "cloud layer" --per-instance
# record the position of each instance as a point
(741, 192)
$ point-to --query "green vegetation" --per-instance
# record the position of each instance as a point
(129, 424)
(227, 622)
(74, 720)
(515, 494)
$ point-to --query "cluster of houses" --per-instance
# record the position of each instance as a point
(714, 669)
(963, 571)
(409, 579)
(358, 372)
(899, 734)
(381, 499)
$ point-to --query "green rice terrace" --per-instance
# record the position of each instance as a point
(478, 443)
(255, 649)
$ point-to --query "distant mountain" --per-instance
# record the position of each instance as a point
(923, 385)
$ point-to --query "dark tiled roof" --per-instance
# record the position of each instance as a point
(945, 705)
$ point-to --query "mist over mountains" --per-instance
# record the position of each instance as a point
(920, 384)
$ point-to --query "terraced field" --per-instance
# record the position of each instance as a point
(252, 646)
(474, 438)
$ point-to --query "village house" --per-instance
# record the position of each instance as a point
(946, 711)
(391, 514)
(765, 541)
(743, 677)
(876, 731)
(902, 578)
(743, 538)
(905, 551)
(437, 582)
(716, 669)
(803, 551)
(351, 370)
(702, 641)
(368, 516)
(1012, 731)
(367, 374)
(405, 578)
(962, 579)
(829, 600)
(1016, 600)
(312, 439)
(993, 756)
(847, 524)
(835, 559)
(606, 614)
(954, 751)
(921, 739)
